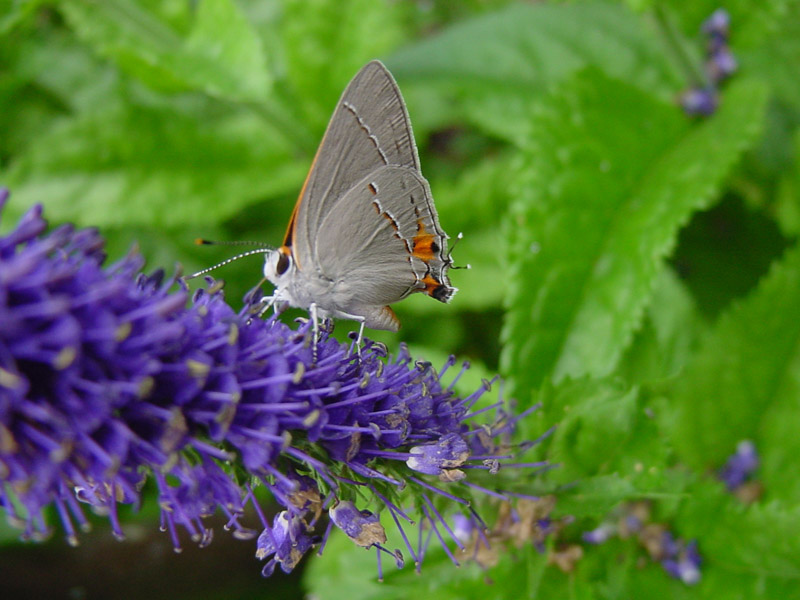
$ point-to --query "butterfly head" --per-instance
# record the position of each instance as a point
(279, 266)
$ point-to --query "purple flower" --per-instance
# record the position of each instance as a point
(721, 64)
(669, 545)
(109, 377)
(699, 101)
(686, 565)
(679, 559)
(286, 542)
(600, 534)
(718, 24)
(740, 466)
(463, 527)
(361, 526)
(440, 458)
(702, 100)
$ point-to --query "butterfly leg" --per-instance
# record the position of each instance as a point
(362, 323)
(312, 310)
(360, 337)
(260, 307)
(266, 303)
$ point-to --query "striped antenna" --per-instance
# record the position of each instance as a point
(228, 261)
(205, 242)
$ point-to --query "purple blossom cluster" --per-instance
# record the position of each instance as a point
(738, 473)
(110, 378)
(679, 558)
(702, 99)
(740, 466)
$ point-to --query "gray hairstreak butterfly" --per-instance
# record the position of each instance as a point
(364, 233)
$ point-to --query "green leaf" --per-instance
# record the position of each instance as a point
(220, 55)
(484, 189)
(129, 165)
(639, 5)
(595, 497)
(724, 584)
(670, 331)
(764, 37)
(745, 382)
(52, 66)
(751, 22)
(747, 551)
(621, 569)
(481, 286)
(327, 41)
(761, 540)
(477, 197)
(605, 443)
(787, 211)
(607, 186)
(12, 12)
(579, 447)
(499, 62)
(775, 59)
(347, 572)
(721, 264)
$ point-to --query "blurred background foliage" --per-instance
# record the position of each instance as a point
(633, 268)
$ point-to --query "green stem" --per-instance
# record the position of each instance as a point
(694, 73)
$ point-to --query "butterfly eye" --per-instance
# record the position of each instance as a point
(284, 261)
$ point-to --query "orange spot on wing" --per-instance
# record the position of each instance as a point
(431, 285)
(423, 247)
(424, 244)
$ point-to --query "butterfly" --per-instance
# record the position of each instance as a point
(364, 232)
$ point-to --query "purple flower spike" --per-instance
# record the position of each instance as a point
(361, 526)
(109, 377)
(702, 99)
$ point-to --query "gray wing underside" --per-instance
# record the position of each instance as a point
(364, 243)
(369, 129)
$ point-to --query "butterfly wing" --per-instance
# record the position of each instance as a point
(369, 129)
(382, 241)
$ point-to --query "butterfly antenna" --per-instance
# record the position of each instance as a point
(459, 237)
(205, 242)
(228, 261)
